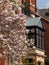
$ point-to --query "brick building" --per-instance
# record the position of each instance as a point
(38, 53)
(46, 25)
(44, 13)
(41, 25)
(45, 21)
(44, 18)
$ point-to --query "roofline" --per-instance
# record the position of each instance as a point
(42, 17)
(29, 27)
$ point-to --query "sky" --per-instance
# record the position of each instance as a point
(42, 4)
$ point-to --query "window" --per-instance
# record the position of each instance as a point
(25, 9)
(32, 30)
(39, 38)
(42, 43)
(31, 36)
(47, 13)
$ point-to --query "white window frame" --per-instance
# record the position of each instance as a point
(31, 4)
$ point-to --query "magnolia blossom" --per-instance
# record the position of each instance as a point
(12, 34)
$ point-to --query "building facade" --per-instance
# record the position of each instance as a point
(44, 14)
(46, 26)
(35, 35)
(37, 55)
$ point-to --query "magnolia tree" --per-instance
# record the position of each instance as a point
(12, 33)
(9, 7)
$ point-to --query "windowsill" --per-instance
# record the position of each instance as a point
(40, 49)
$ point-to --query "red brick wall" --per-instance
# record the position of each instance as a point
(3, 61)
(39, 58)
(46, 25)
(33, 2)
(31, 7)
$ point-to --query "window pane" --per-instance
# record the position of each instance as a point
(38, 41)
(37, 31)
(32, 36)
(40, 32)
(42, 43)
(32, 30)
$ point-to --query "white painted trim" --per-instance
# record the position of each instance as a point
(31, 4)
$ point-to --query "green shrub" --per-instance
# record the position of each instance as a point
(47, 61)
(39, 62)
